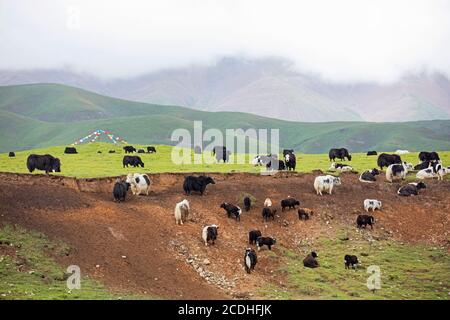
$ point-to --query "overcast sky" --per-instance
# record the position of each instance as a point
(345, 40)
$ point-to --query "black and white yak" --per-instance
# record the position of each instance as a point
(326, 183)
(290, 161)
(369, 176)
(181, 211)
(265, 241)
(411, 189)
(140, 183)
(250, 260)
(232, 210)
(210, 233)
(397, 171)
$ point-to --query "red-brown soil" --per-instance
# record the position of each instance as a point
(162, 259)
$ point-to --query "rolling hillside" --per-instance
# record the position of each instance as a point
(270, 87)
(47, 114)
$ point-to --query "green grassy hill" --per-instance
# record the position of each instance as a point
(43, 115)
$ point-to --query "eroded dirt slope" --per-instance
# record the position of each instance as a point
(136, 247)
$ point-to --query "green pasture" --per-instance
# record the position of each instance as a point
(88, 163)
(408, 271)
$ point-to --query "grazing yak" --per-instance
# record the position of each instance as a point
(369, 176)
(120, 190)
(140, 183)
(231, 209)
(310, 260)
(219, 149)
(267, 202)
(287, 151)
(247, 203)
(289, 203)
(363, 220)
(265, 241)
(305, 214)
(340, 167)
(372, 153)
(411, 189)
(46, 162)
(350, 261)
(250, 260)
(112, 151)
(399, 151)
(396, 171)
(268, 213)
(197, 184)
(290, 161)
(181, 211)
(210, 233)
(429, 156)
(129, 149)
(11, 154)
(385, 160)
(223, 156)
(134, 161)
(141, 151)
(151, 149)
(70, 150)
(372, 204)
(253, 235)
(198, 150)
(326, 183)
(341, 154)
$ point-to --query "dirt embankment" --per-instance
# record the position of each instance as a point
(136, 247)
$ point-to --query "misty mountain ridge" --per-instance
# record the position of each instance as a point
(39, 115)
(269, 87)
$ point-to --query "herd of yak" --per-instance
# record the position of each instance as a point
(429, 167)
(429, 160)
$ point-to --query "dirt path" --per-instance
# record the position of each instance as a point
(171, 261)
